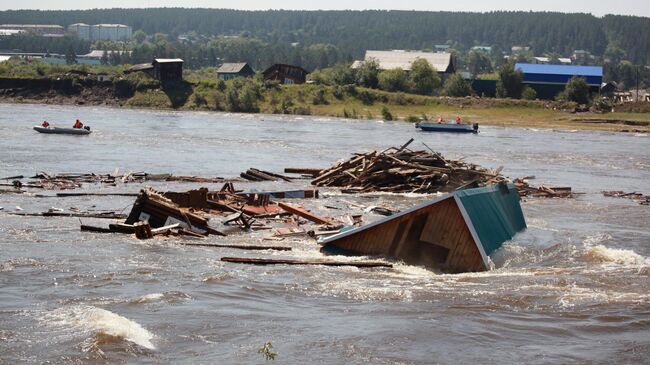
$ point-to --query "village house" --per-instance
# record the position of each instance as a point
(163, 69)
(549, 80)
(286, 74)
(388, 60)
(229, 71)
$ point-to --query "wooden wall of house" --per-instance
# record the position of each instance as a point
(434, 236)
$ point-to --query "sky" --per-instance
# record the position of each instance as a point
(595, 7)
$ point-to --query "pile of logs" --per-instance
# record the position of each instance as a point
(254, 174)
(638, 197)
(524, 189)
(402, 170)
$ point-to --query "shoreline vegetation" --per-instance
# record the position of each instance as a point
(202, 91)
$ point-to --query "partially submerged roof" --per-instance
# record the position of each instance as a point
(457, 231)
(560, 69)
(232, 67)
(388, 60)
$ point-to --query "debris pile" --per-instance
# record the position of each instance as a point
(401, 170)
(638, 197)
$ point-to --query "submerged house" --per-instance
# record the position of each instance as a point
(229, 71)
(286, 74)
(456, 232)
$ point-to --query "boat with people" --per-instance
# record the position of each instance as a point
(448, 127)
(77, 129)
(442, 126)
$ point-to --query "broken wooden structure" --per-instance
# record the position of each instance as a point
(401, 170)
(456, 232)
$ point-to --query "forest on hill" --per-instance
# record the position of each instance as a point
(352, 32)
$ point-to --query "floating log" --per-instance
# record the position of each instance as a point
(258, 261)
(303, 213)
(236, 246)
(62, 195)
(110, 215)
(302, 171)
(95, 229)
(122, 228)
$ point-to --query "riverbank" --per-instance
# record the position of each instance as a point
(336, 101)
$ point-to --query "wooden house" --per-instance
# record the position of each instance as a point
(168, 69)
(456, 232)
(286, 74)
(229, 71)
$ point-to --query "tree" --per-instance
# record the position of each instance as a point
(393, 80)
(577, 90)
(71, 57)
(104, 59)
(457, 86)
(423, 77)
(478, 63)
(139, 36)
(509, 82)
(367, 74)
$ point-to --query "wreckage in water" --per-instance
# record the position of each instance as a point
(456, 232)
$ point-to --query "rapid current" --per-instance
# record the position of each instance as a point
(573, 288)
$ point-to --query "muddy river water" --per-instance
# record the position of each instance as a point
(573, 288)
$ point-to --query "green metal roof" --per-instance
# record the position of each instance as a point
(494, 214)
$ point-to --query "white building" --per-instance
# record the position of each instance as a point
(82, 30)
(102, 32)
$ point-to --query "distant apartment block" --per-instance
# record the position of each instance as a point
(102, 32)
(44, 30)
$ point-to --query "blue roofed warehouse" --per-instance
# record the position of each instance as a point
(550, 80)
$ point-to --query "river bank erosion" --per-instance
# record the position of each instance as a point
(572, 288)
(352, 102)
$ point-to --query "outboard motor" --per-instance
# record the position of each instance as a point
(475, 126)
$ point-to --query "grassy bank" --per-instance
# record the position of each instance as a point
(202, 92)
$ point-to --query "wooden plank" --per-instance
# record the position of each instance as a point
(260, 261)
(237, 246)
(95, 229)
(303, 213)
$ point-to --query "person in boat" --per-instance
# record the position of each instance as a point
(439, 120)
(45, 124)
(458, 120)
(78, 124)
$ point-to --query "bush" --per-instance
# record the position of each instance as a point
(386, 114)
(319, 97)
(423, 77)
(529, 93)
(412, 119)
(367, 74)
(393, 80)
(509, 82)
(577, 90)
(366, 97)
(457, 86)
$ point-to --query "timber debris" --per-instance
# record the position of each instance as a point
(401, 170)
(638, 197)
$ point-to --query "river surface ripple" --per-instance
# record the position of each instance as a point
(573, 288)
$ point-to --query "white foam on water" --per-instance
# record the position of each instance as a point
(154, 297)
(595, 251)
(100, 321)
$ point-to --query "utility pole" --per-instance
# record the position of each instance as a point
(637, 84)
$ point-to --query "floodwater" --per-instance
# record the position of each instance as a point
(573, 288)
